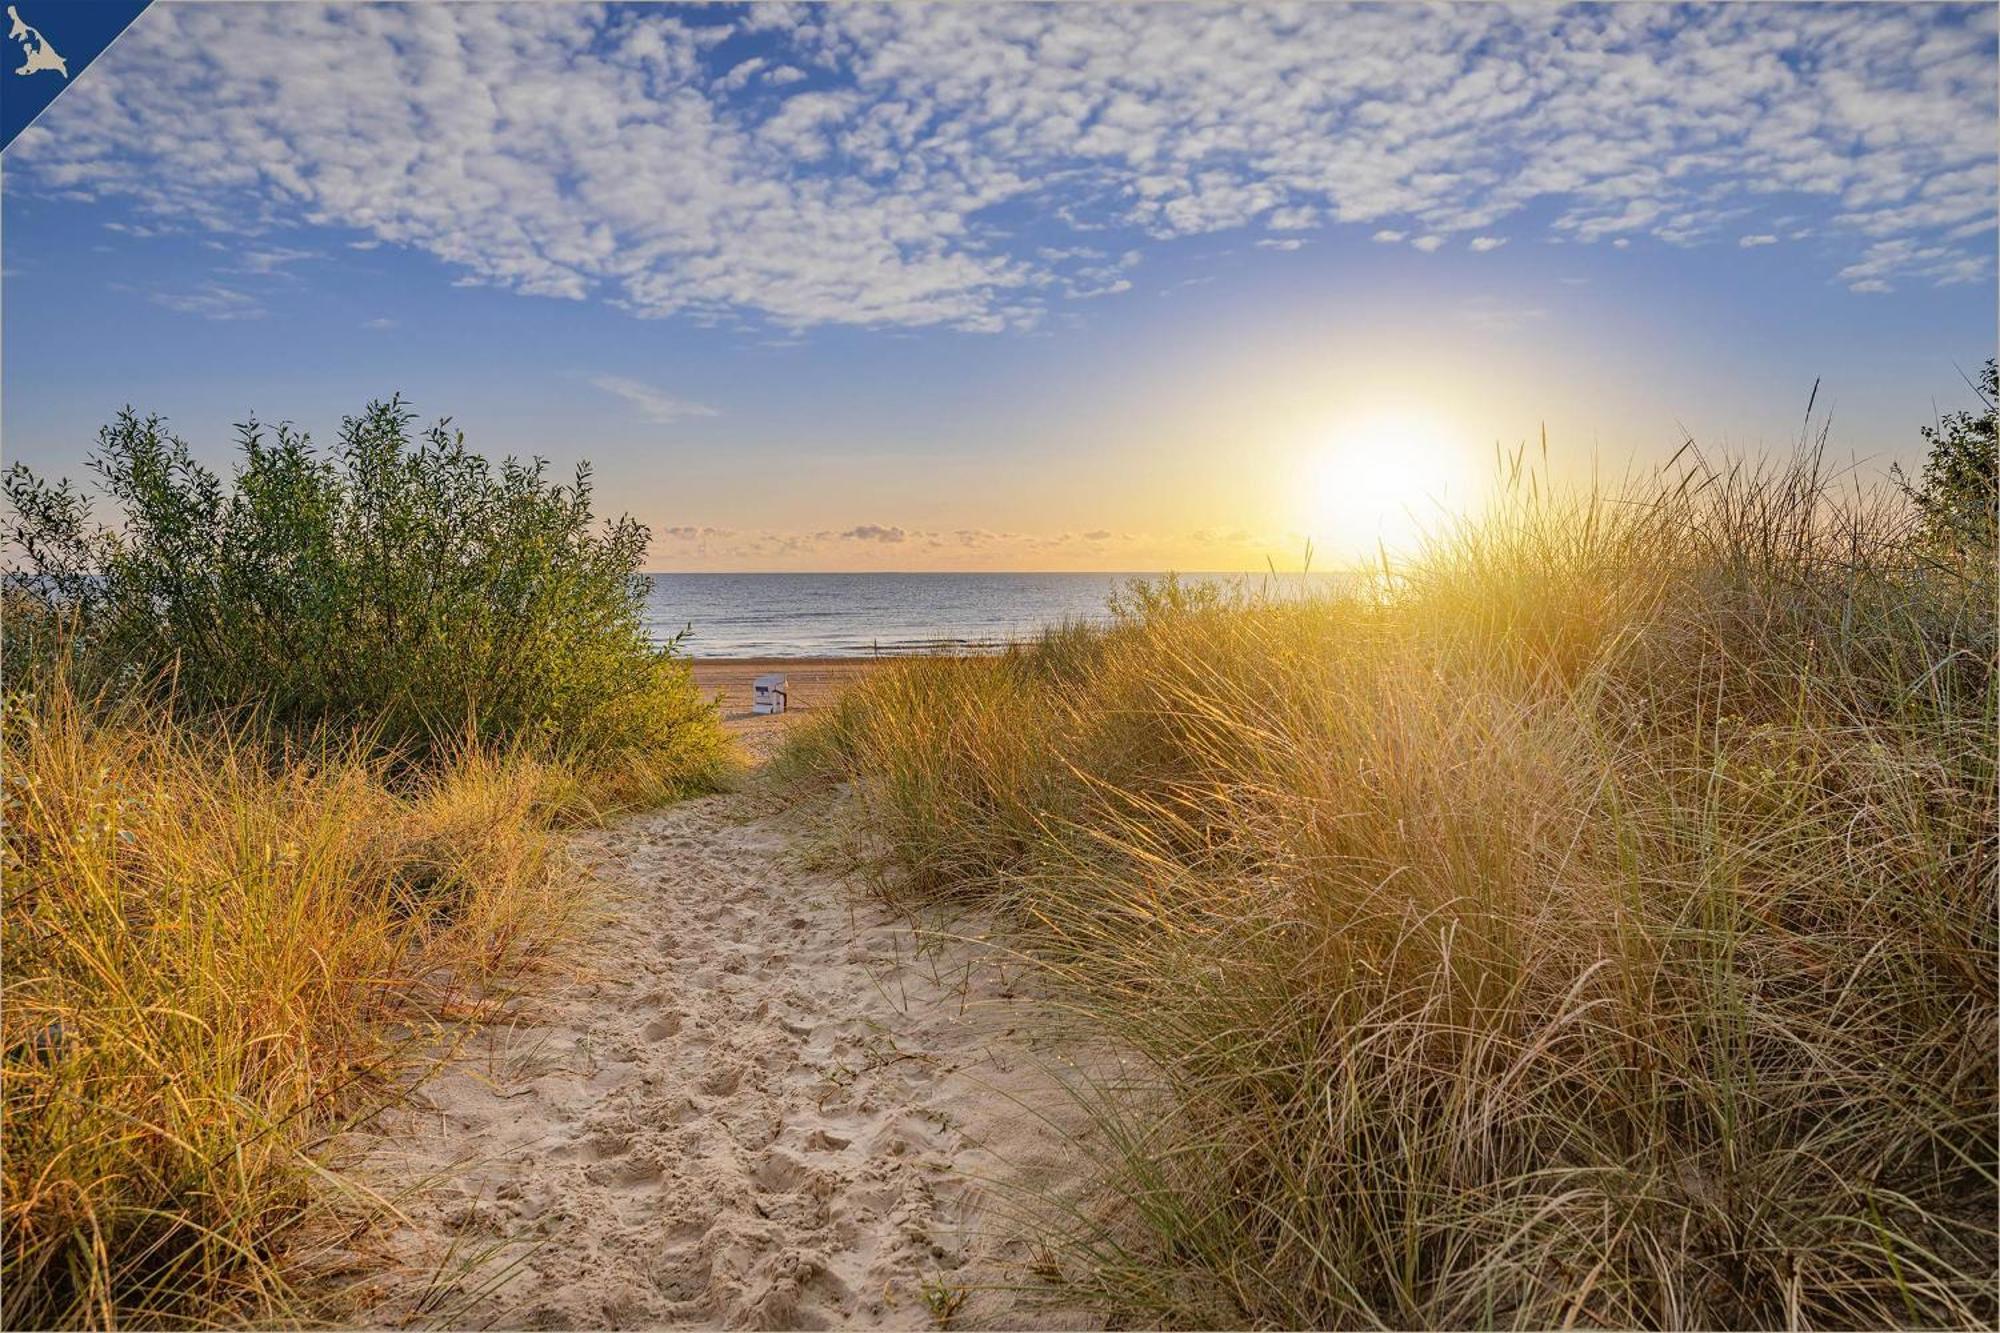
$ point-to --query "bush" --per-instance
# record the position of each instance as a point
(1958, 495)
(405, 587)
(1590, 922)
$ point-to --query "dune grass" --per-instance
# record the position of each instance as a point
(1588, 921)
(214, 954)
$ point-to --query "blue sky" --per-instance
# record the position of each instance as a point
(1014, 286)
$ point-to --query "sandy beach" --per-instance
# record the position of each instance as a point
(815, 682)
(767, 1100)
(812, 683)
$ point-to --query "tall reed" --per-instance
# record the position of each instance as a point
(1591, 920)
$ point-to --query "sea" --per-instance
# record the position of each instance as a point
(862, 615)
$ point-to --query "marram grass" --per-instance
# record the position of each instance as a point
(218, 948)
(1587, 922)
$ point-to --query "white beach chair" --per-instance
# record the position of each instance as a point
(768, 694)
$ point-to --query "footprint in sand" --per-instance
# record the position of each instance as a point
(766, 1112)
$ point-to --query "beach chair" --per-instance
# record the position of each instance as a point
(768, 694)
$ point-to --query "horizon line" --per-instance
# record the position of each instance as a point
(1132, 573)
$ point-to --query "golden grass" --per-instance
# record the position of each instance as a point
(215, 951)
(1590, 922)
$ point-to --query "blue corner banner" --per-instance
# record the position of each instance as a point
(49, 43)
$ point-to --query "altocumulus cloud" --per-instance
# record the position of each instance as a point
(851, 175)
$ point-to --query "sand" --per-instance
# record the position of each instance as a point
(812, 683)
(768, 1103)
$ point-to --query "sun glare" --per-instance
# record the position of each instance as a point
(1376, 483)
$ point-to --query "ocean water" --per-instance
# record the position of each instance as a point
(858, 615)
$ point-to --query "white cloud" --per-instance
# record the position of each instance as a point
(1386, 236)
(739, 75)
(212, 300)
(1289, 244)
(1941, 265)
(273, 260)
(653, 404)
(574, 152)
(380, 324)
(1428, 243)
(1482, 244)
(1761, 238)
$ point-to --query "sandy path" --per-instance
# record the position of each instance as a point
(766, 1109)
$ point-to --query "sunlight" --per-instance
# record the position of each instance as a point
(1377, 482)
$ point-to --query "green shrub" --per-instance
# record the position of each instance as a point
(1958, 495)
(404, 586)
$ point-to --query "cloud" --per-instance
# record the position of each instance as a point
(653, 404)
(1387, 236)
(893, 546)
(212, 301)
(869, 167)
(1499, 316)
(1762, 238)
(740, 74)
(1940, 265)
(380, 323)
(1428, 243)
(1480, 245)
(1269, 244)
(273, 260)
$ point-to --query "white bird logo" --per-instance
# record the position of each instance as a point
(36, 53)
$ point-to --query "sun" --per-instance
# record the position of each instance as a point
(1375, 483)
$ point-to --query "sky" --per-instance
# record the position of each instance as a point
(1013, 286)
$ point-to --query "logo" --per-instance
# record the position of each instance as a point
(37, 56)
(66, 36)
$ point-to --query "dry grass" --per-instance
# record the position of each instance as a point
(215, 951)
(1590, 922)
